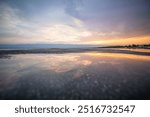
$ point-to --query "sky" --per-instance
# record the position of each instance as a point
(102, 22)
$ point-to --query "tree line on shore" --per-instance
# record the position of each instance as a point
(146, 46)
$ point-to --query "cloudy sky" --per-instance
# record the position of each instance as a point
(104, 22)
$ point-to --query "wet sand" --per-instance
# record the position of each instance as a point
(75, 74)
(76, 50)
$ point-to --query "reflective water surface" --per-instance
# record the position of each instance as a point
(136, 50)
(90, 75)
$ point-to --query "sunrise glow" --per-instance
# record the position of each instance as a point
(103, 22)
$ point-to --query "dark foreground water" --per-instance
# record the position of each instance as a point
(92, 75)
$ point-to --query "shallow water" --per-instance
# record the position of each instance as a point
(136, 50)
(90, 75)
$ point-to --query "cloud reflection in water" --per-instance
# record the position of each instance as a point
(75, 76)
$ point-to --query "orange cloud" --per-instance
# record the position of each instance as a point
(123, 41)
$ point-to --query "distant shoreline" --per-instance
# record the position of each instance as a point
(74, 50)
(65, 46)
(133, 46)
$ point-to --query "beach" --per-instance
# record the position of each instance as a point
(77, 73)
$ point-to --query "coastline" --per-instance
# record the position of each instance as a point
(74, 50)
